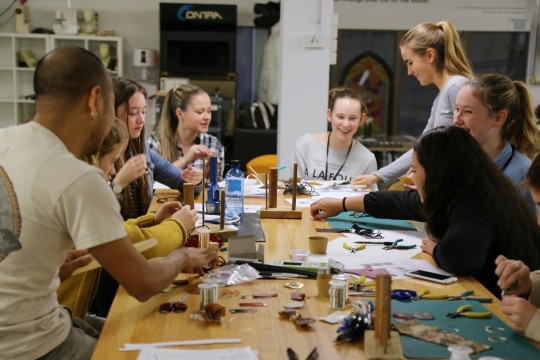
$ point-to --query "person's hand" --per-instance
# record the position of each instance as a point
(326, 207)
(166, 210)
(519, 312)
(186, 216)
(510, 272)
(428, 245)
(133, 169)
(198, 258)
(407, 182)
(74, 259)
(196, 152)
(192, 175)
(369, 179)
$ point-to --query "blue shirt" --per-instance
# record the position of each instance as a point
(516, 169)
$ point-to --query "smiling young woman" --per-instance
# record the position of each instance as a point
(336, 155)
(433, 54)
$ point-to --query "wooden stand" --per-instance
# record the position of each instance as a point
(189, 195)
(272, 211)
(382, 343)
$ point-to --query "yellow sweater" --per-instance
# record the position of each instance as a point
(77, 292)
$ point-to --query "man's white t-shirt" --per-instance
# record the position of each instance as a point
(63, 202)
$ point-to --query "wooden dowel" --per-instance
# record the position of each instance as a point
(294, 188)
(189, 195)
(272, 188)
(266, 191)
(221, 209)
(383, 309)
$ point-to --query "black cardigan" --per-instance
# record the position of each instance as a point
(469, 243)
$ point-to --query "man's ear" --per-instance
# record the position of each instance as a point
(93, 100)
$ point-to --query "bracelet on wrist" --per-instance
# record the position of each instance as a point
(343, 204)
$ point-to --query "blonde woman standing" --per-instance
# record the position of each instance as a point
(434, 55)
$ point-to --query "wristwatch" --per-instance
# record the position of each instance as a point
(116, 188)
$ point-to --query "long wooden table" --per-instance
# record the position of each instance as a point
(132, 322)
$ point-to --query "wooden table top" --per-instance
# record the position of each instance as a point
(132, 322)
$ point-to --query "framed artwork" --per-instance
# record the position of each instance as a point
(372, 78)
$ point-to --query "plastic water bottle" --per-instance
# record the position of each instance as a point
(234, 191)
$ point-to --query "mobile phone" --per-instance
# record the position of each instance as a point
(431, 276)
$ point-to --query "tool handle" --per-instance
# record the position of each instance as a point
(477, 315)
(466, 293)
(435, 297)
(480, 300)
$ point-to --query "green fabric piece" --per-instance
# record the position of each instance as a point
(345, 220)
(517, 347)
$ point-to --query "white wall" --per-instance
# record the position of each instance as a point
(304, 72)
(137, 22)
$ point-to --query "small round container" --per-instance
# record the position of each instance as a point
(209, 293)
(323, 281)
(338, 294)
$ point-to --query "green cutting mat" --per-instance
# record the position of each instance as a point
(344, 220)
(517, 346)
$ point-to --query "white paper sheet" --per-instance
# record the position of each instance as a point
(373, 255)
(158, 185)
(244, 353)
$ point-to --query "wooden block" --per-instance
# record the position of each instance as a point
(280, 213)
(224, 233)
(373, 350)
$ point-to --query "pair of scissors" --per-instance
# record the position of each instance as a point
(395, 245)
(175, 306)
(466, 295)
(464, 311)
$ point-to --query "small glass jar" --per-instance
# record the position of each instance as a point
(338, 294)
(323, 278)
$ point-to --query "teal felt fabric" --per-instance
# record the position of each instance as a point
(517, 347)
(345, 220)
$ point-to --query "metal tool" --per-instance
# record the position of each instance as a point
(466, 295)
(398, 247)
(464, 311)
(424, 294)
